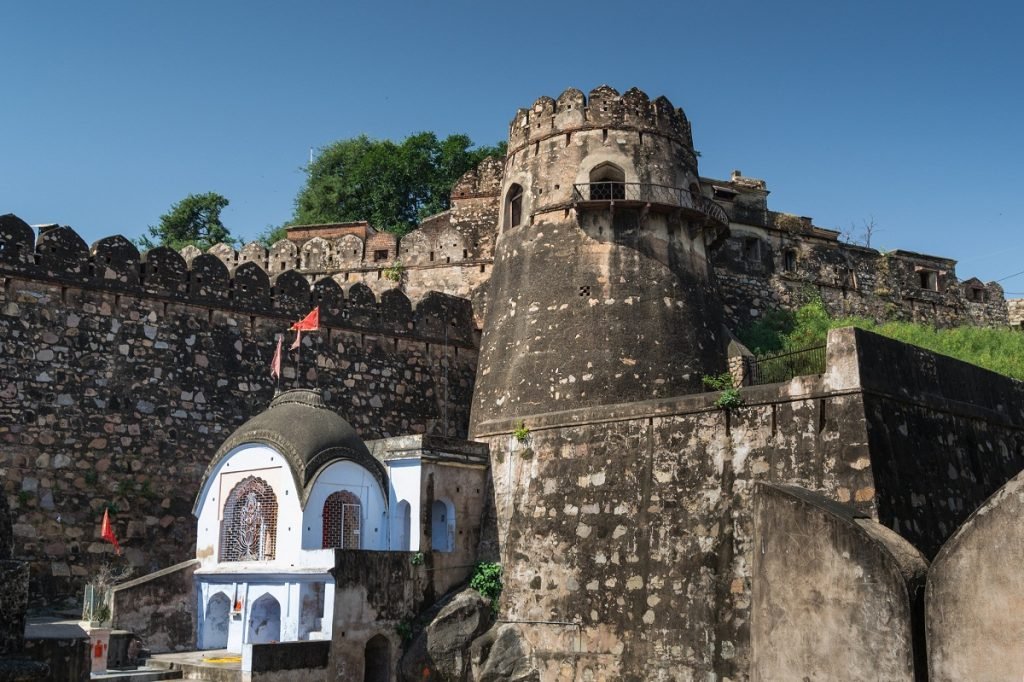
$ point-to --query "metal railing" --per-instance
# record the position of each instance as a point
(773, 369)
(643, 192)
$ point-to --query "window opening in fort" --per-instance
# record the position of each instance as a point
(342, 520)
(249, 529)
(752, 249)
(723, 194)
(607, 183)
(380, 254)
(977, 294)
(789, 260)
(514, 206)
(928, 279)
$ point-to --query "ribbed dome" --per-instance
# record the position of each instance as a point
(300, 426)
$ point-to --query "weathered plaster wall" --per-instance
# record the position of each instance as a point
(628, 530)
(376, 593)
(944, 435)
(120, 379)
(975, 594)
(159, 608)
(835, 596)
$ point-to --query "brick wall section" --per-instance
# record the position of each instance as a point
(122, 375)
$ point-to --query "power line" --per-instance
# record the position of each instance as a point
(1009, 276)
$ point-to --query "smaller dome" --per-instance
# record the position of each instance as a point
(300, 425)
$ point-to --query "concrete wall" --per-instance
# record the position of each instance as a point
(159, 608)
(64, 648)
(836, 596)
(285, 661)
(975, 594)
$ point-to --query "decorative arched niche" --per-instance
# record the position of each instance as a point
(607, 182)
(248, 531)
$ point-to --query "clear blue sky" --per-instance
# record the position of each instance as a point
(909, 113)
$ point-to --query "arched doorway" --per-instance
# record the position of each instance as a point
(215, 622)
(264, 621)
(342, 520)
(403, 515)
(377, 660)
(442, 526)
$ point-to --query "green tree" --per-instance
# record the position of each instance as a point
(392, 185)
(194, 220)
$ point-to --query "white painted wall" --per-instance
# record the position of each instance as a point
(287, 590)
(250, 460)
(346, 475)
(404, 477)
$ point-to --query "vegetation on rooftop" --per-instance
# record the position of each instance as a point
(997, 349)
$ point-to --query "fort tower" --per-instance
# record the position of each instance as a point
(601, 285)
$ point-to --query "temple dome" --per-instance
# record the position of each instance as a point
(310, 435)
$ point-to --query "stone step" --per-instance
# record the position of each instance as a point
(141, 674)
(188, 670)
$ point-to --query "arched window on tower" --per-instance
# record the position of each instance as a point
(342, 520)
(514, 206)
(607, 183)
(249, 529)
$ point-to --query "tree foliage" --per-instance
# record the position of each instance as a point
(393, 185)
(194, 220)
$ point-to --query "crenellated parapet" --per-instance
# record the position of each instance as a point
(256, 280)
(604, 108)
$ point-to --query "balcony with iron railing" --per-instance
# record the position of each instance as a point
(610, 194)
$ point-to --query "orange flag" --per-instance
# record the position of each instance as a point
(275, 364)
(310, 323)
(107, 533)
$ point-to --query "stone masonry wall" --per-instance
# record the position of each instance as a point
(626, 531)
(756, 275)
(122, 374)
(1016, 306)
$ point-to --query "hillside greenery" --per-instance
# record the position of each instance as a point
(997, 349)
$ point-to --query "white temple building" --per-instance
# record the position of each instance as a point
(294, 485)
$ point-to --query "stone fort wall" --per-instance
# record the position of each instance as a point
(626, 531)
(121, 373)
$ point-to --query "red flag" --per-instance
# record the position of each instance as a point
(275, 364)
(298, 340)
(107, 533)
(310, 323)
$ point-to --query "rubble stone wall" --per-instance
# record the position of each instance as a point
(755, 275)
(122, 374)
(628, 529)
